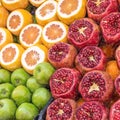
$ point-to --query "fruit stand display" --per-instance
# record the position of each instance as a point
(60, 60)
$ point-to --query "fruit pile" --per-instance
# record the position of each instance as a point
(67, 49)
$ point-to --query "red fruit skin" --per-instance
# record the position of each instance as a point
(92, 110)
(117, 85)
(110, 28)
(51, 110)
(67, 61)
(112, 7)
(117, 55)
(99, 66)
(75, 39)
(115, 111)
(100, 78)
(64, 83)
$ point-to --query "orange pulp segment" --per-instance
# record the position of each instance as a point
(46, 12)
(30, 35)
(14, 4)
(36, 3)
(54, 32)
(5, 37)
(70, 10)
(18, 19)
(10, 56)
(33, 56)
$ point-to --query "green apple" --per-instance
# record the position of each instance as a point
(32, 84)
(26, 111)
(7, 109)
(43, 72)
(19, 77)
(21, 94)
(40, 97)
(6, 90)
(5, 76)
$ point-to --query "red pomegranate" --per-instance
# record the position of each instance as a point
(64, 83)
(96, 85)
(97, 9)
(84, 32)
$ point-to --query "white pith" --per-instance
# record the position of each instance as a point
(26, 27)
(63, 15)
(15, 57)
(3, 36)
(58, 39)
(49, 14)
(17, 13)
(10, 1)
(37, 2)
(33, 48)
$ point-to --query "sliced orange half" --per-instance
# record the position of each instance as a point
(70, 10)
(5, 37)
(36, 3)
(54, 32)
(14, 4)
(30, 35)
(3, 16)
(10, 56)
(46, 12)
(18, 19)
(33, 56)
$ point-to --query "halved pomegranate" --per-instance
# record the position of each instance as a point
(84, 32)
(110, 26)
(115, 111)
(97, 9)
(96, 85)
(117, 85)
(62, 55)
(117, 55)
(61, 109)
(90, 58)
(92, 110)
(64, 83)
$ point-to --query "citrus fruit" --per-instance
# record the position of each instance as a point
(14, 4)
(32, 56)
(46, 12)
(70, 10)
(3, 16)
(36, 3)
(54, 32)
(18, 19)
(112, 69)
(10, 56)
(5, 37)
(30, 35)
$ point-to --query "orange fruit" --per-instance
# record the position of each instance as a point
(3, 16)
(112, 69)
(33, 56)
(10, 56)
(5, 37)
(70, 10)
(14, 4)
(36, 3)
(18, 19)
(46, 12)
(30, 35)
(54, 32)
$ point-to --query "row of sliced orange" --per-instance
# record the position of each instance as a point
(13, 56)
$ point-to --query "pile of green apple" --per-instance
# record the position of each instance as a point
(22, 96)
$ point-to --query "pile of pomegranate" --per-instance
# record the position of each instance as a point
(80, 86)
